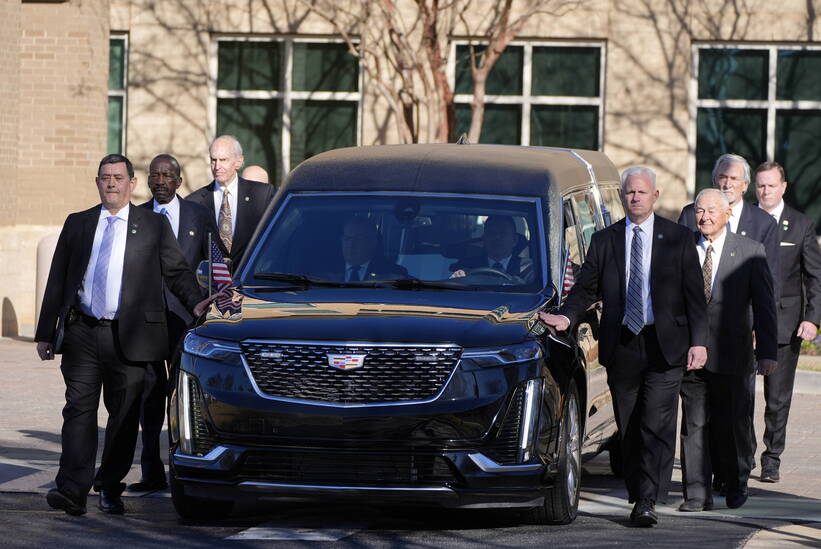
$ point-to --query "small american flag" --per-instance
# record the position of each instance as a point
(569, 277)
(221, 279)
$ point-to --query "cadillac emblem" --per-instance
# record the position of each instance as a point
(346, 362)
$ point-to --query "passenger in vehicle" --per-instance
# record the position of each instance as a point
(362, 258)
(499, 239)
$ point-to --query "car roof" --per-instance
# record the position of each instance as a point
(452, 168)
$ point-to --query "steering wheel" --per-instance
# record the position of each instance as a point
(491, 271)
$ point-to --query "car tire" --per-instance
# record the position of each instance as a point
(561, 502)
(194, 508)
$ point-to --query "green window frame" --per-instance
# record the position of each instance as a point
(539, 93)
(762, 101)
(117, 92)
(286, 99)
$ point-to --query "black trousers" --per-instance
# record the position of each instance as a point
(778, 388)
(152, 407)
(730, 419)
(645, 397)
(696, 463)
(91, 362)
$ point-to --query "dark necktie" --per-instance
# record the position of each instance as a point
(354, 274)
(634, 308)
(707, 271)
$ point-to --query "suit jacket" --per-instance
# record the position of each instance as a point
(800, 276)
(742, 301)
(754, 223)
(252, 201)
(676, 289)
(152, 259)
(195, 224)
(379, 268)
(514, 266)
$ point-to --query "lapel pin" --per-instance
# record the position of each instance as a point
(133, 231)
(743, 233)
(191, 233)
(786, 222)
(660, 236)
(786, 228)
(247, 198)
(732, 254)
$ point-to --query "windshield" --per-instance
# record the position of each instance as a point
(432, 241)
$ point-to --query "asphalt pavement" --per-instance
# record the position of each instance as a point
(786, 514)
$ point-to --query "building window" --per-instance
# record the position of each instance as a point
(286, 100)
(117, 78)
(762, 102)
(543, 94)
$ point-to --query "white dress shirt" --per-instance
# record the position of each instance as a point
(646, 257)
(736, 217)
(172, 213)
(718, 246)
(233, 189)
(776, 213)
(114, 279)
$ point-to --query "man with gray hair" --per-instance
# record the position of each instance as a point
(738, 289)
(644, 269)
(238, 204)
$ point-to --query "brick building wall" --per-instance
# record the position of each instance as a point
(53, 137)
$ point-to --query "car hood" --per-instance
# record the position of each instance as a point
(468, 319)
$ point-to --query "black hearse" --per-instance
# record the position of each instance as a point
(424, 377)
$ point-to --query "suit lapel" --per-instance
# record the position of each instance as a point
(620, 252)
(134, 231)
(727, 264)
(88, 229)
(242, 231)
(785, 228)
(745, 220)
(186, 230)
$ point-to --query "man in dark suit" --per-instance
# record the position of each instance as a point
(645, 271)
(237, 204)
(360, 252)
(799, 311)
(732, 175)
(740, 300)
(104, 310)
(191, 224)
(499, 241)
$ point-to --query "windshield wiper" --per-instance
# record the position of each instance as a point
(415, 283)
(302, 280)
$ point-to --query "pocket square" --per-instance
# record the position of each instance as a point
(788, 243)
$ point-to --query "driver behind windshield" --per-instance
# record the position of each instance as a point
(499, 240)
(361, 255)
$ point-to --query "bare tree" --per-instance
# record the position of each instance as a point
(404, 47)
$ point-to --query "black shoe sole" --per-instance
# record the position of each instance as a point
(645, 520)
(111, 510)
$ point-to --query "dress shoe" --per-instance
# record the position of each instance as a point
(644, 513)
(770, 475)
(111, 503)
(59, 500)
(737, 499)
(148, 485)
(694, 505)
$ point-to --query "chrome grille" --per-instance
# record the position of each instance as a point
(389, 374)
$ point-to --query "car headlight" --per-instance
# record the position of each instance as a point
(213, 349)
(502, 356)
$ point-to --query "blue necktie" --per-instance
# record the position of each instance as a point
(634, 308)
(98, 287)
(165, 213)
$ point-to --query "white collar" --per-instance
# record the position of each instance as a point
(172, 207)
(777, 211)
(737, 210)
(232, 186)
(122, 214)
(717, 244)
(646, 225)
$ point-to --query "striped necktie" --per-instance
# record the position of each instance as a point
(707, 272)
(100, 280)
(634, 307)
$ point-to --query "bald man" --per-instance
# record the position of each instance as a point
(255, 173)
